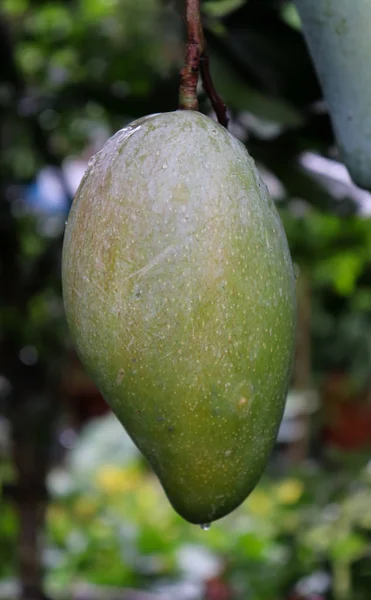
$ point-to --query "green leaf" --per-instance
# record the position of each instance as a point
(15, 7)
(220, 8)
(342, 271)
(240, 96)
(291, 16)
(348, 548)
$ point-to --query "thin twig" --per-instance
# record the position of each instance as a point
(217, 103)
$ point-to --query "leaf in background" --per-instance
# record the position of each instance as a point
(341, 271)
(240, 96)
(102, 442)
(220, 8)
(348, 548)
(290, 15)
(267, 52)
(15, 7)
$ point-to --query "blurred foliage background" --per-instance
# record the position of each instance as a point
(81, 516)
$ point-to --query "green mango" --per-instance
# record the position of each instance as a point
(338, 34)
(180, 297)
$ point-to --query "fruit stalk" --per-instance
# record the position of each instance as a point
(194, 50)
(196, 61)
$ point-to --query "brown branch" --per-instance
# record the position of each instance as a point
(195, 46)
(197, 59)
(217, 103)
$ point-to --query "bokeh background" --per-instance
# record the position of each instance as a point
(81, 515)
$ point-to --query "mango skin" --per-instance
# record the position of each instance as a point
(338, 36)
(180, 296)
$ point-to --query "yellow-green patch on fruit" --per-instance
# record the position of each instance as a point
(180, 297)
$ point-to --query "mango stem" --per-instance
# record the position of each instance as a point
(194, 49)
(197, 59)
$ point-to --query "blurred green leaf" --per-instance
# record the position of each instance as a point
(220, 8)
(240, 96)
(15, 7)
(291, 15)
(348, 548)
(342, 271)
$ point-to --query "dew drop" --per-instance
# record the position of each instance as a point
(65, 223)
(164, 166)
(205, 526)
